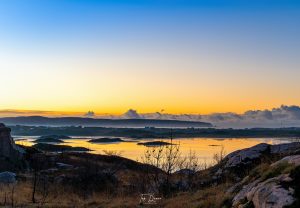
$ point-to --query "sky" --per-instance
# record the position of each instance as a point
(173, 56)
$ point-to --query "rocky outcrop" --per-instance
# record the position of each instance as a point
(292, 160)
(275, 187)
(266, 194)
(7, 178)
(8, 149)
(247, 156)
(287, 148)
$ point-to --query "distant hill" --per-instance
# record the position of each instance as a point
(76, 121)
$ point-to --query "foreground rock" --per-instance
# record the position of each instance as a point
(7, 178)
(249, 155)
(268, 193)
(8, 149)
(293, 160)
(246, 155)
(275, 188)
(11, 155)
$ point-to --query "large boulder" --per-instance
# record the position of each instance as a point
(266, 194)
(245, 156)
(248, 155)
(287, 148)
(7, 178)
(8, 148)
(293, 160)
(275, 192)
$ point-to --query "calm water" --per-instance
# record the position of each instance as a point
(203, 147)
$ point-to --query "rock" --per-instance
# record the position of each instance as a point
(64, 166)
(244, 156)
(242, 195)
(270, 194)
(185, 171)
(293, 160)
(7, 177)
(266, 194)
(50, 171)
(285, 148)
(8, 148)
(238, 186)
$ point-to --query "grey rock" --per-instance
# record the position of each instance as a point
(266, 194)
(244, 156)
(242, 195)
(8, 148)
(185, 171)
(293, 160)
(237, 186)
(285, 148)
(64, 166)
(7, 177)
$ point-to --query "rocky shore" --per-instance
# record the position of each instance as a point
(262, 176)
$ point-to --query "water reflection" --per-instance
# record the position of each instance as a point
(203, 147)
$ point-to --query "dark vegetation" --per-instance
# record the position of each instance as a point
(156, 132)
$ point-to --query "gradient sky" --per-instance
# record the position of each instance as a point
(184, 56)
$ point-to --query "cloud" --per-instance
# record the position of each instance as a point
(89, 114)
(283, 116)
(132, 114)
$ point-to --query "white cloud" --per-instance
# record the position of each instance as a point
(132, 114)
(89, 114)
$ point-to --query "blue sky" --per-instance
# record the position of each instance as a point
(243, 54)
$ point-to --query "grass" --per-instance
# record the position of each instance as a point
(211, 197)
(277, 170)
(60, 196)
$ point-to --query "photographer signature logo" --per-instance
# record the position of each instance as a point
(149, 199)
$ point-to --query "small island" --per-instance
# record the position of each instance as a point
(54, 136)
(49, 140)
(106, 140)
(59, 148)
(154, 144)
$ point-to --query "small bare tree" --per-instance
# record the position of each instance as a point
(164, 157)
(219, 156)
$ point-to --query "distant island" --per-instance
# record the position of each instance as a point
(79, 121)
(49, 140)
(54, 136)
(57, 139)
(154, 144)
(106, 140)
(155, 133)
(59, 148)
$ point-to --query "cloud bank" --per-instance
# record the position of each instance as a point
(283, 116)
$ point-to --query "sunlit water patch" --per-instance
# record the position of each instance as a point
(204, 148)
